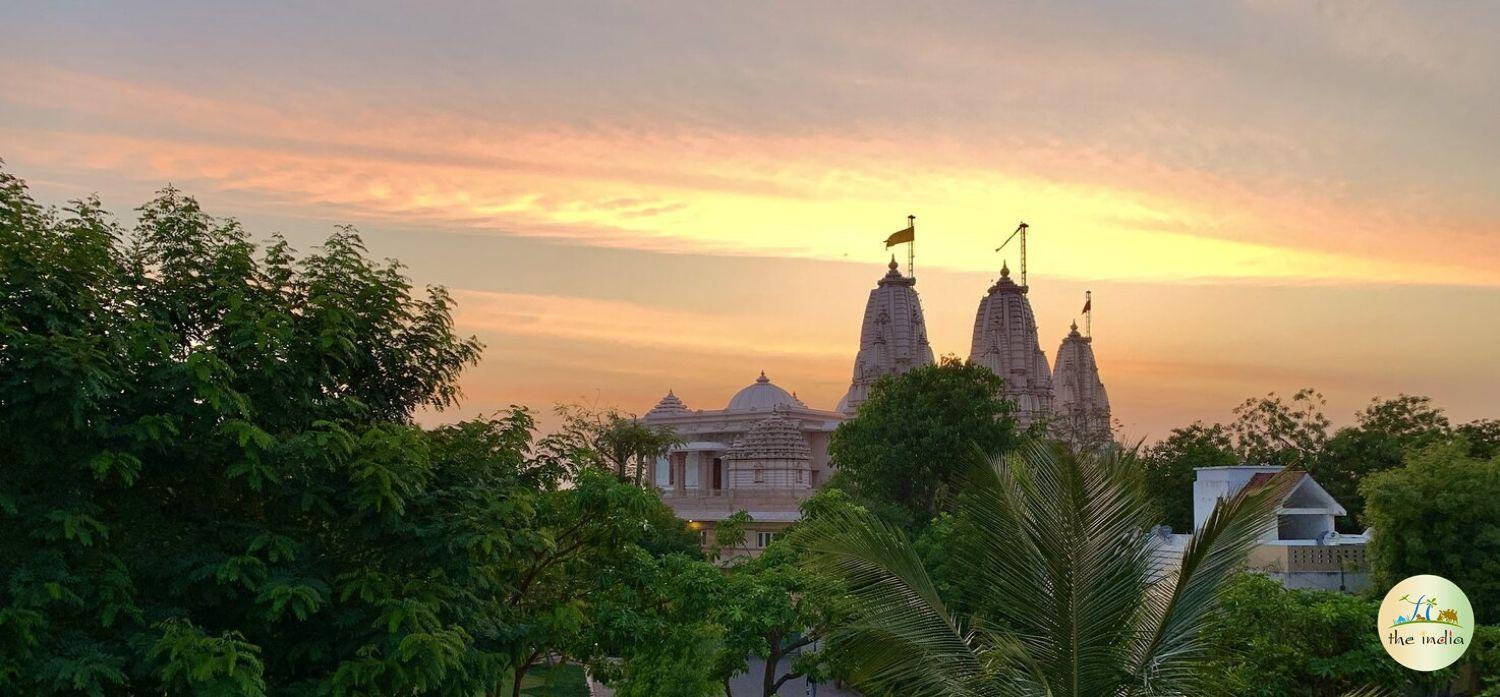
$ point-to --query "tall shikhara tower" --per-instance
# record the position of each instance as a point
(893, 338)
(1082, 406)
(1005, 341)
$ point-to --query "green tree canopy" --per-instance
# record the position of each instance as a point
(213, 485)
(1384, 432)
(1268, 641)
(919, 432)
(1169, 466)
(1271, 430)
(1439, 514)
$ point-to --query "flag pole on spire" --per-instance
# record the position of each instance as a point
(1088, 313)
(911, 249)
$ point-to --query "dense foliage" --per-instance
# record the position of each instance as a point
(213, 484)
(1069, 604)
(920, 432)
(1169, 466)
(1439, 514)
(1268, 641)
(1296, 433)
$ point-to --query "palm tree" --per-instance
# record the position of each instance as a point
(1074, 605)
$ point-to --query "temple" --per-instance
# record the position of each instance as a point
(1005, 341)
(892, 339)
(1080, 404)
(766, 451)
(763, 453)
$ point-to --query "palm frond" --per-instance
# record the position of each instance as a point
(903, 637)
(1075, 588)
(1165, 660)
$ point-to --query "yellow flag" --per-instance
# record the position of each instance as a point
(901, 236)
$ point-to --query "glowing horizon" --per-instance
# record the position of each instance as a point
(1222, 177)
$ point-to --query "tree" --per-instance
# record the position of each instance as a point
(1268, 641)
(611, 439)
(213, 483)
(1072, 607)
(1169, 468)
(1272, 431)
(1384, 432)
(918, 432)
(775, 610)
(1439, 514)
(1483, 437)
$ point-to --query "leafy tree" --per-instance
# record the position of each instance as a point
(611, 439)
(213, 484)
(1483, 437)
(1438, 514)
(1268, 641)
(655, 626)
(1272, 431)
(1383, 433)
(916, 435)
(1071, 607)
(1169, 465)
(775, 610)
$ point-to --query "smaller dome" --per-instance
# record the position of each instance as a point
(669, 405)
(774, 438)
(762, 395)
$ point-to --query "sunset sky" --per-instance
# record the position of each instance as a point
(632, 197)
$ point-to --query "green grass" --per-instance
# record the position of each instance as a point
(565, 680)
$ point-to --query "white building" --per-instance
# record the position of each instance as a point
(1302, 549)
(763, 453)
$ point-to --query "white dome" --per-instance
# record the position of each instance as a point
(762, 396)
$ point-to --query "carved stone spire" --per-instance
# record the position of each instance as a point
(1005, 341)
(892, 338)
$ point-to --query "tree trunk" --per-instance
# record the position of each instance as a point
(768, 677)
(515, 689)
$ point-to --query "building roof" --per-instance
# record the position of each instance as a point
(669, 404)
(762, 395)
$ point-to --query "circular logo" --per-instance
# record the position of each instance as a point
(1426, 622)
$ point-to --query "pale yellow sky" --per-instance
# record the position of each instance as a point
(1263, 195)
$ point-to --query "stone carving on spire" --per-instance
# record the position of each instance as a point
(1081, 408)
(892, 338)
(1005, 341)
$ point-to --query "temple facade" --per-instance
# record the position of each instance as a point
(1005, 341)
(1080, 403)
(892, 338)
(764, 453)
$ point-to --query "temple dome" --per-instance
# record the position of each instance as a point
(762, 395)
(1005, 341)
(668, 406)
(1081, 404)
(775, 438)
(892, 338)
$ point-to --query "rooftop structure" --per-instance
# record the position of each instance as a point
(1005, 341)
(1302, 549)
(892, 339)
